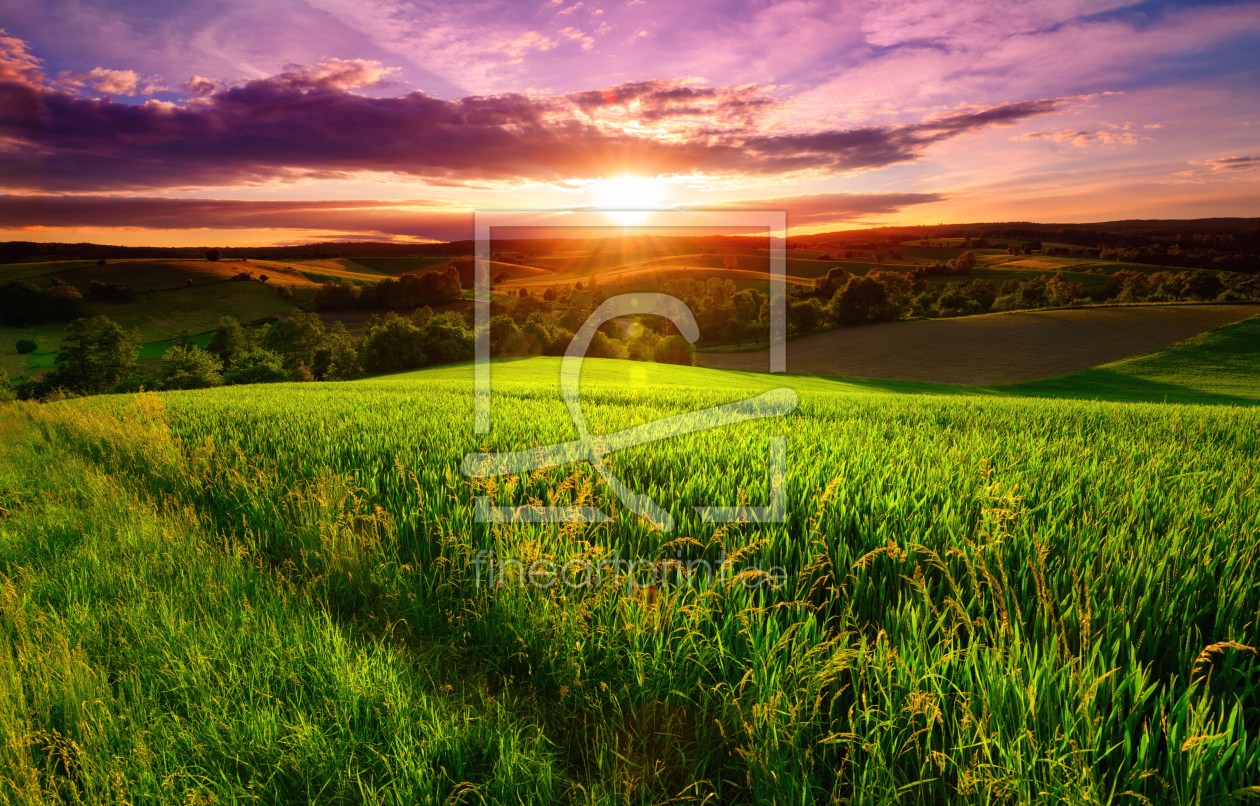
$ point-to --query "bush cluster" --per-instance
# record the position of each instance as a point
(408, 291)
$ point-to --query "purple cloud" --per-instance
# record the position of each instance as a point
(829, 208)
(420, 218)
(414, 217)
(309, 122)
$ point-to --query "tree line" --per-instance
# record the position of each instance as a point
(97, 356)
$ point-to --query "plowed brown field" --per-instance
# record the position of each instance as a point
(992, 349)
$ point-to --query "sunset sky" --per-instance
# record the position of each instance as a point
(237, 123)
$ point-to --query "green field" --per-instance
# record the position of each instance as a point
(1222, 366)
(273, 593)
(158, 316)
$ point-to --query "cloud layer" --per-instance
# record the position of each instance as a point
(314, 123)
(418, 218)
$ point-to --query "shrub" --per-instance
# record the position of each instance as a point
(602, 346)
(803, 316)
(189, 367)
(1006, 302)
(675, 350)
(1203, 285)
(301, 373)
(827, 286)
(25, 346)
(394, 345)
(23, 304)
(506, 338)
(337, 296)
(447, 340)
(228, 341)
(260, 366)
(862, 299)
(7, 392)
(131, 384)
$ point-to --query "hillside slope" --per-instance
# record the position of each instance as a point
(993, 349)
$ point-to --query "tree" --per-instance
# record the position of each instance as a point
(730, 262)
(23, 304)
(506, 338)
(1203, 285)
(825, 287)
(301, 374)
(95, 355)
(189, 367)
(803, 316)
(965, 263)
(296, 338)
(983, 292)
(550, 294)
(437, 288)
(25, 346)
(213, 254)
(862, 299)
(675, 350)
(602, 346)
(395, 344)
(338, 296)
(259, 366)
(466, 268)
(228, 341)
(1062, 291)
(446, 339)
(953, 302)
(1129, 285)
(337, 359)
(7, 392)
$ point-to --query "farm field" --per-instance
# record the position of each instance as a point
(281, 598)
(991, 349)
(158, 315)
(1220, 366)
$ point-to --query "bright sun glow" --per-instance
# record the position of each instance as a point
(632, 196)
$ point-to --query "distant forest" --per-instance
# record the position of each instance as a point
(1225, 244)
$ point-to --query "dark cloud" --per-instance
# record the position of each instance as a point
(309, 123)
(417, 218)
(829, 208)
(414, 217)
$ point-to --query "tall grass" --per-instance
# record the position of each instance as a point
(986, 600)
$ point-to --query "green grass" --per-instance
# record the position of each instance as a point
(402, 265)
(986, 599)
(30, 271)
(1221, 366)
(146, 661)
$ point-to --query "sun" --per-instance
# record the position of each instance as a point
(632, 197)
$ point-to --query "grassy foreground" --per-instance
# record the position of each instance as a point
(272, 594)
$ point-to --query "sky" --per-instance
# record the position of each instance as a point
(233, 123)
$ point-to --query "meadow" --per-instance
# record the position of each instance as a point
(275, 594)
